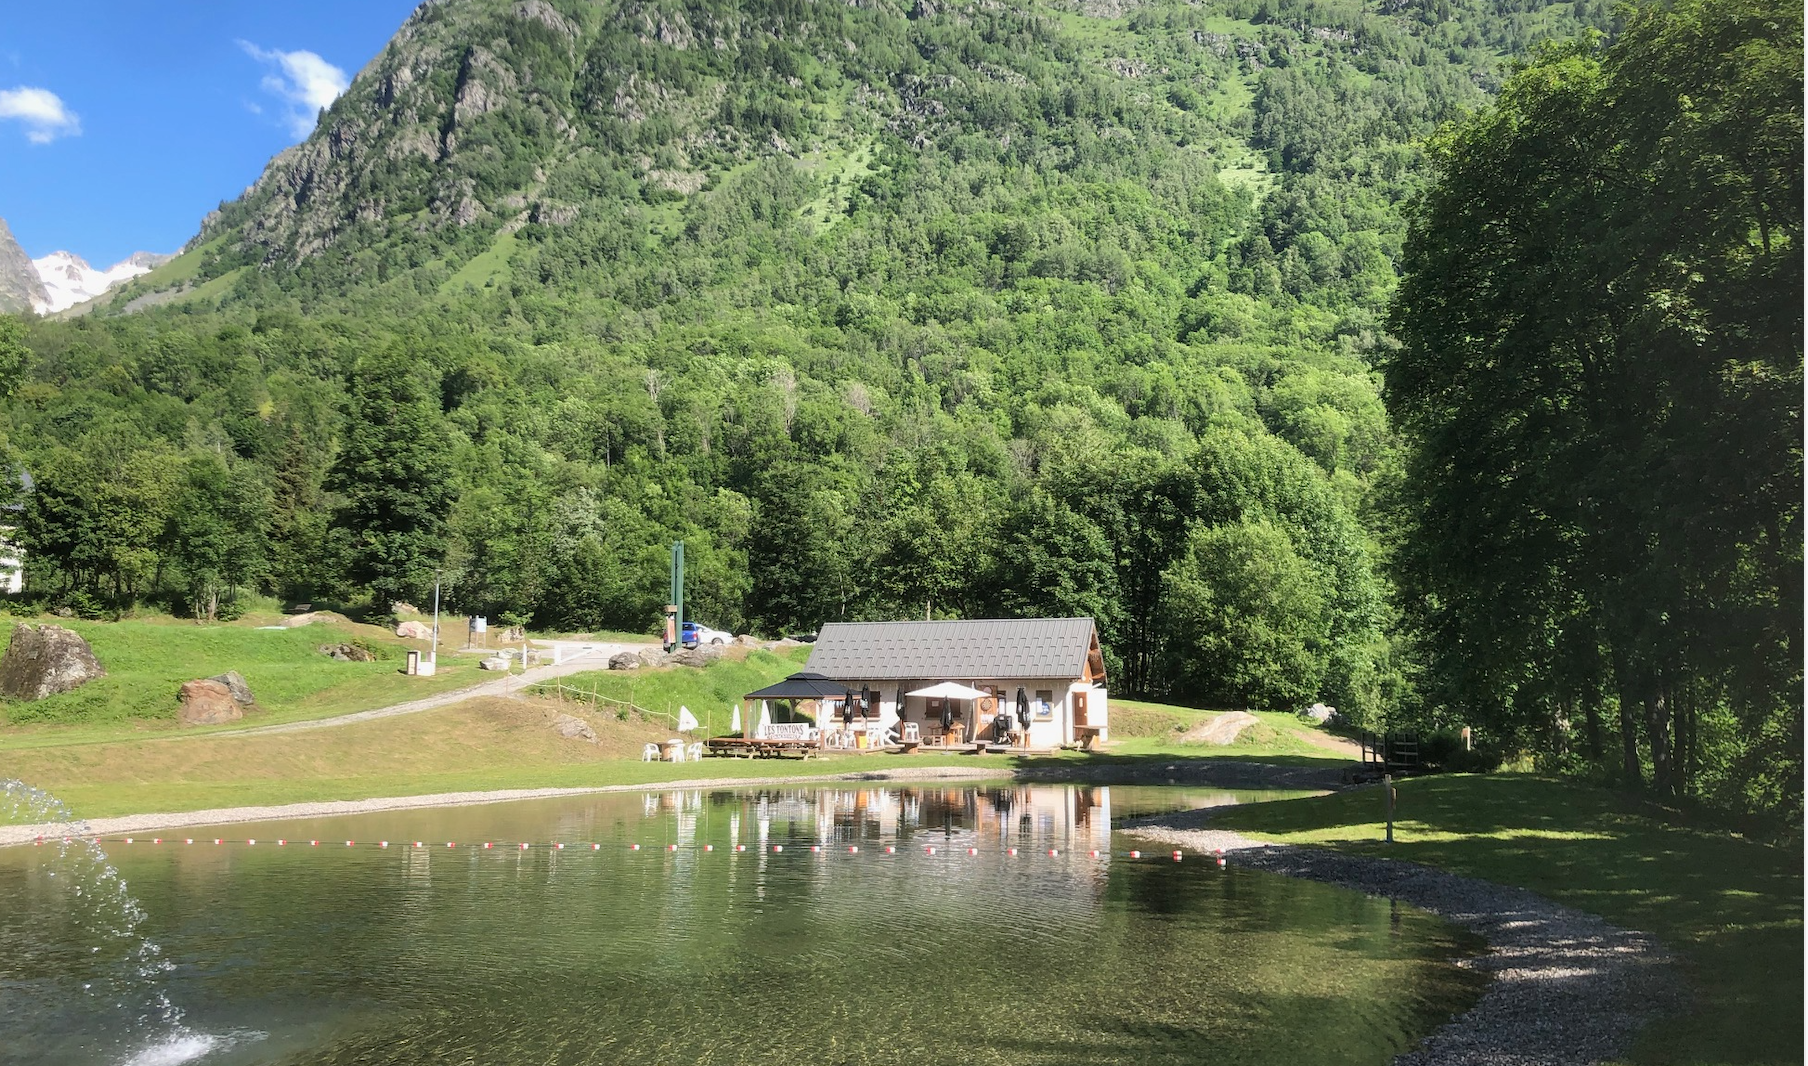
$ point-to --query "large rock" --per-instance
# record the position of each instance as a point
(702, 655)
(573, 728)
(207, 702)
(496, 662)
(415, 631)
(348, 653)
(44, 661)
(235, 684)
(625, 660)
(308, 619)
(652, 655)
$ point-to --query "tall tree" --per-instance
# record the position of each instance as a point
(1601, 378)
(394, 474)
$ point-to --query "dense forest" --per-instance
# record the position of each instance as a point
(982, 309)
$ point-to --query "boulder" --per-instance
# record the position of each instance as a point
(653, 656)
(348, 653)
(572, 728)
(207, 702)
(309, 619)
(625, 660)
(746, 640)
(785, 643)
(495, 662)
(702, 655)
(235, 684)
(402, 607)
(414, 631)
(1319, 713)
(45, 661)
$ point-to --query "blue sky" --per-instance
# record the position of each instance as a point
(123, 122)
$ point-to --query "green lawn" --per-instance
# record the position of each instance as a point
(147, 661)
(1731, 908)
(709, 693)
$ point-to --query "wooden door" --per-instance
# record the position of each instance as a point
(1079, 709)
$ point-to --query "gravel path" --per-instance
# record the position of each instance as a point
(1567, 988)
(596, 658)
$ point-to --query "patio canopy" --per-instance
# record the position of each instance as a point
(802, 686)
(949, 690)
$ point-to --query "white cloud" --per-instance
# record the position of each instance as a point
(306, 81)
(43, 112)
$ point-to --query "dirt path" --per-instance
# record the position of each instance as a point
(1348, 749)
(596, 658)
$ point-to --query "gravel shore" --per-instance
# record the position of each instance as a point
(1567, 988)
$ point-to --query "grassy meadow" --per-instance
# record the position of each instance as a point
(148, 659)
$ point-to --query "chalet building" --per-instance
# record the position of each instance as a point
(1051, 668)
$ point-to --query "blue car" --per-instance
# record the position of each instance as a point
(696, 633)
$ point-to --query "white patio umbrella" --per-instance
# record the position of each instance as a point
(734, 720)
(686, 720)
(949, 690)
(765, 720)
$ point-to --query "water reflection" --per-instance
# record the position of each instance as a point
(706, 953)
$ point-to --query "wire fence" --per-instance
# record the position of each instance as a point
(598, 702)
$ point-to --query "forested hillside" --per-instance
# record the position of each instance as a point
(886, 310)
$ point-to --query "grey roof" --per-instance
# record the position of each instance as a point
(952, 651)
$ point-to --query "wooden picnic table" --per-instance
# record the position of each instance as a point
(766, 748)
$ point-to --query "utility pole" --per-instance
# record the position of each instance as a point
(674, 607)
(433, 655)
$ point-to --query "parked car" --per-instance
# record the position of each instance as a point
(696, 633)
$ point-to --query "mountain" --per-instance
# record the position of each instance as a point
(886, 310)
(494, 139)
(21, 289)
(69, 280)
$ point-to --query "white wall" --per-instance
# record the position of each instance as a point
(1053, 731)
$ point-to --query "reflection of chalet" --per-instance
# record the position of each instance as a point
(1051, 667)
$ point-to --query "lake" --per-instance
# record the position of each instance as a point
(946, 948)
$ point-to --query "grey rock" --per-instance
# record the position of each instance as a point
(495, 662)
(625, 660)
(653, 656)
(235, 683)
(44, 661)
(414, 631)
(702, 655)
(347, 653)
(206, 702)
(21, 289)
(573, 728)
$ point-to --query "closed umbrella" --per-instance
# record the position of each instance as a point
(1023, 709)
(734, 720)
(686, 720)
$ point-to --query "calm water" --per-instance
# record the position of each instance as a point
(465, 955)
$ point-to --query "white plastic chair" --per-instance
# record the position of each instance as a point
(695, 751)
(650, 753)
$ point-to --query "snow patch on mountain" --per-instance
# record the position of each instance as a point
(69, 280)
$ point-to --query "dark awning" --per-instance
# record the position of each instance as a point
(802, 686)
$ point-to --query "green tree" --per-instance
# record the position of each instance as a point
(394, 477)
(1601, 381)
